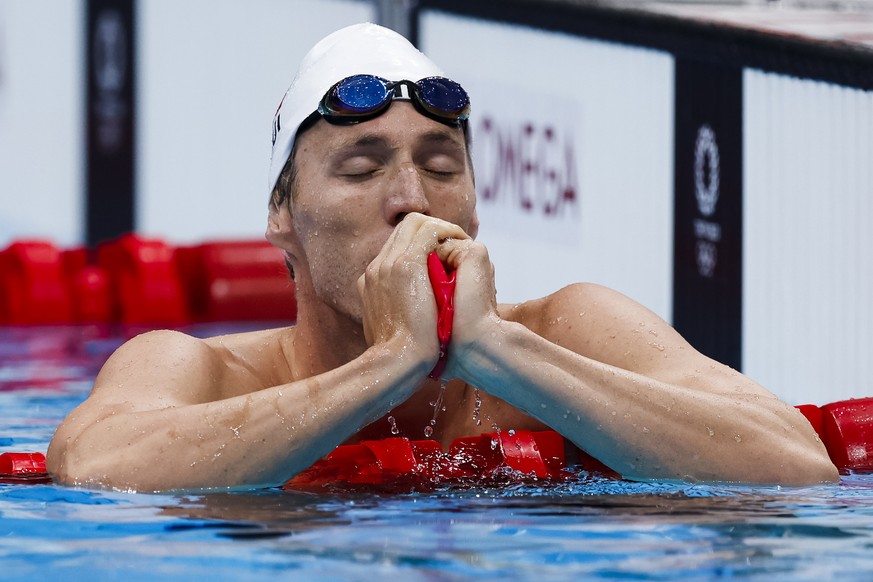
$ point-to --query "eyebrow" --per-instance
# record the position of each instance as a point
(364, 142)
(377, 141)
(443, 137)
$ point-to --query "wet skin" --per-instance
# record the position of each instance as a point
(372, 200)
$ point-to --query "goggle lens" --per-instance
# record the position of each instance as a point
(362, 97)
(358, 94)
(444, 95)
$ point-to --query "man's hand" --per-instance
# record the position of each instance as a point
(397, 297)
(475, 298)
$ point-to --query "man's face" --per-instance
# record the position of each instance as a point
(355, 183)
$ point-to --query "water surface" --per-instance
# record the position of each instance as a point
(579, 529)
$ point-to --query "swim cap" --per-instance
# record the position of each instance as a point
(357, 49)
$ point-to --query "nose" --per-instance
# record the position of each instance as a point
(405, 194)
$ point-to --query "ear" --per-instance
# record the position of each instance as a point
(280, 228)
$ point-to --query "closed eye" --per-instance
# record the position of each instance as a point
(441, 165)
(442, 154)
(358, 167)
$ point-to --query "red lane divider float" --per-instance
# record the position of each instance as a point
(32, 284)
(23, 468)
(141, 280)
(236, 281)
(846, 428)
(146, 286)
(473, 460)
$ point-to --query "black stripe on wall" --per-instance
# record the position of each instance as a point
(708, 245)
(110, 119)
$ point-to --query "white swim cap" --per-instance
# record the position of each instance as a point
(357, 49)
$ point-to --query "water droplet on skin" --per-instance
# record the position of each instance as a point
(710, 431)
(738, 438)
(477, 405)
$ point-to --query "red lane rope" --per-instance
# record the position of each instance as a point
(845, 427)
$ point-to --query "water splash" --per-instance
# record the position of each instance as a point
(393, 422)
(437, 407)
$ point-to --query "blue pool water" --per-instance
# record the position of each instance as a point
(576, 530)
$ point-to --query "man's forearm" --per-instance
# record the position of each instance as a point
(262, 438)
(644, 428)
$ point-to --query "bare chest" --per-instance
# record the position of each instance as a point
(444, 413)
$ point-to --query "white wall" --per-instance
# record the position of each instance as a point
(41, 127)
(600, 115)
(808, 238)
(212, 73)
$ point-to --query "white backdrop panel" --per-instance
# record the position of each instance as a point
(41, 122)
(808, 238)
(212, 73)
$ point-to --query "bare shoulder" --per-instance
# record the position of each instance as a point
(581, 306)
(169, 368)
(605, 325)
(161, 368)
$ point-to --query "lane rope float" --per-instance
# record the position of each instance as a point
(845, 428)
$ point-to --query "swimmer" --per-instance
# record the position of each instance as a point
(367, 178)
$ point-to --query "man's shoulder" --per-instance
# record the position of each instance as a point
(575, 300)
(158, 347)
(164, 342)
(205, 366)
(169, 344)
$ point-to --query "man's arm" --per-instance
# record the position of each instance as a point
(168, 412)
(152, 421)
(624, 386)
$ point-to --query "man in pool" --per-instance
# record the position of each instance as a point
(367, 178)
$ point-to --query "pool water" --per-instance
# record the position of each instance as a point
(580, 529)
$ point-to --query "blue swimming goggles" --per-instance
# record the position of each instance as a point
(362, 97)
